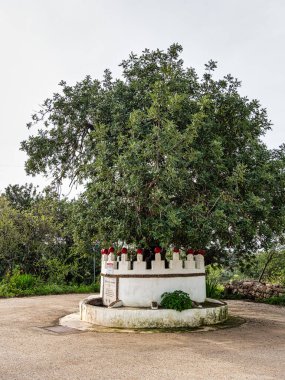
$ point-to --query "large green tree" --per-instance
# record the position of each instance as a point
(166, 157)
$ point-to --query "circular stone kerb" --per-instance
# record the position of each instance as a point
(125, 317)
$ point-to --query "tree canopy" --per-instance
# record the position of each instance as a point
(165, 157)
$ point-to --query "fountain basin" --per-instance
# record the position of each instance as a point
(134, 317)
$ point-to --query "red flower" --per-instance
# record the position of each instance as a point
(104, 251)
(111, 250)
(175, 249)
(201, 252)
(139, 251)
(190, 251)
(157, 250)
(124, 250)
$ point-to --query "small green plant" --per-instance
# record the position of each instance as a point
(214, 289)
(177, 300)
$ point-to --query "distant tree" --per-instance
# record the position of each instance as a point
(166, 157)
(10, 236)
(29, 237)
(45, 238)
(21, 197)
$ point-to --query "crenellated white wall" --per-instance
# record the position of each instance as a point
(193, 264)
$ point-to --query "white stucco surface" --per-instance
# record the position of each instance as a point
(140, 292)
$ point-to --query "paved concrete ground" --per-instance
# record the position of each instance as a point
(255, 350)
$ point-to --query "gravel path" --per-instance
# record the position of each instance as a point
(255, 350)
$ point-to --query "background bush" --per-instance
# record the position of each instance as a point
(22, 284)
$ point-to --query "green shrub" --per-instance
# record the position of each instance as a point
(275, 300)
(19, 284)
(177, 300)
(214, 289)
(44, 289)
(23, 281)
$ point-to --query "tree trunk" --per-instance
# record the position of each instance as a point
(271, 254)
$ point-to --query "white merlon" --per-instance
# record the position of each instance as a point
(124, 257)
(139, 267)
(158, 264)
(124, 266)
(104, 262)
(157, 257)
(189, 263)
(111, 256)
(199, 259)
(175, 256)
(105, 257)
(176, 265)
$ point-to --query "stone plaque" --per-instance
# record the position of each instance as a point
(110, 290)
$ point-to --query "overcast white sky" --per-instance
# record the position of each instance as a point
(45, 41)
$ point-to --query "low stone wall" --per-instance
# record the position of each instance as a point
(254, 289)
(124, 317)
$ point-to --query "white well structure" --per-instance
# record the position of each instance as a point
(137, 286)
(129, 289)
